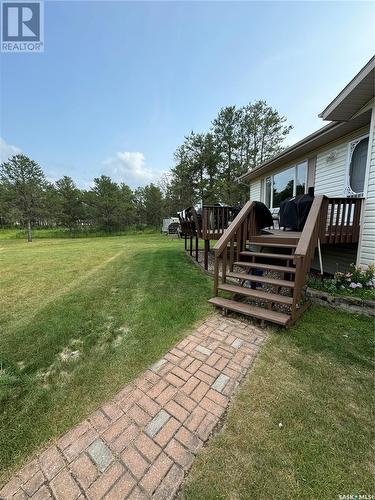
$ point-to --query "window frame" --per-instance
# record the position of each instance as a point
(294, 166)
(348, 191)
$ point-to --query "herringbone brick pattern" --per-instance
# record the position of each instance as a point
(140, 444)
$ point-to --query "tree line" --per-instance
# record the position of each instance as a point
(28, 199)
(206, 169)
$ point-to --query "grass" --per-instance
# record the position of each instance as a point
(317, 380)
(60, 232)
(120, 302)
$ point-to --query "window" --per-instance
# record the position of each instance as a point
(268, 192)
(357, 167)
(285, 184)
(301, 175)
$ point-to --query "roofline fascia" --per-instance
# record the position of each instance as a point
(369, 66)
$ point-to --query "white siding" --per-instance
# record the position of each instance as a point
(367, 242)
(331, 171)
(255, 190)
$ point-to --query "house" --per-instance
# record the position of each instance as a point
(265, 272)
(338, 160)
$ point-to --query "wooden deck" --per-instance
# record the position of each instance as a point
(210, 225)
(339, 223)
(284, 256)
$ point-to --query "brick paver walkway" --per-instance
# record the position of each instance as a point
(141, 443)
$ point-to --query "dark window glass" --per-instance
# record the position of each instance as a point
(283, 186)
(358, 166)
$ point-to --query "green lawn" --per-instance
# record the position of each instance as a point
(121, 302)
(317, 380)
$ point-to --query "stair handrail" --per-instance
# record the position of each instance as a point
(309, 230)
(238, 229)
(304, 252)
(222, 243)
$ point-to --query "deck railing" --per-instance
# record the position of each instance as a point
(332, 221)
(215, 221)
(234, 241)
(341, 220)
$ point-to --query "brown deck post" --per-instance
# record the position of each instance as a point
(206, 250)
(216, 275)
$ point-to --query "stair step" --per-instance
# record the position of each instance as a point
(261, 279)
(256, 294)
(268, 267)
(281, 256)
(273, 244)
(256, 312)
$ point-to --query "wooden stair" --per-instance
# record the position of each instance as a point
(266, 267)
(269, 242)
(269, 286)
(264, 255)
(264, 274)
(248, 310)
(257, 294)
(261, 279)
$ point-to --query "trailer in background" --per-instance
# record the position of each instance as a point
(170, 225)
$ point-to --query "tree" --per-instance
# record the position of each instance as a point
(24, 183)
(210, 159)
(263, 132)
(69, 203)
(150, 205)
(49, 211)
(127, 205)
(5, 216)
(207, 166)
(226, 129)
(183, 183)
(104, 200)
(194, 177)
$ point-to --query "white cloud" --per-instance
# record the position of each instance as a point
(131, 168)
(7, 150)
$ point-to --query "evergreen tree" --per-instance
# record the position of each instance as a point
(70, 208)
(150, 205)
(104, 200)
(23, 184)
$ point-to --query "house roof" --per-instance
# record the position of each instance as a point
(359, 91)
(325, 135)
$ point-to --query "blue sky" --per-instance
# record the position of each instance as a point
(121, 83)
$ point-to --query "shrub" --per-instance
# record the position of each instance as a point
(356, 277)
(356, 281)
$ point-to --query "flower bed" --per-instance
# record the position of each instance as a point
(353, 291)
(356, 282)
